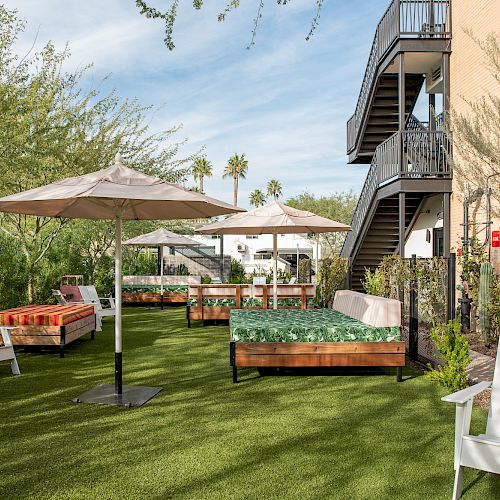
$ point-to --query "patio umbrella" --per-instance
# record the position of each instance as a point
(274, 218)
(117, 193)
(161, 238)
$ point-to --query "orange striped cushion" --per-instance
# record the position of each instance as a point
(57, 315)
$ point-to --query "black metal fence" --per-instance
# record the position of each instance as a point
(418, 319)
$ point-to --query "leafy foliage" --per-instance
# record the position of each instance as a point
(201, 168)
(274, 189)
(375, 282)
(337, 206)
(476, 135)
(331, 277)
(257, 198)
(395, 278)
(237, 272)
(454, 349)
(51, 129)
(236, 168)
(169, 16)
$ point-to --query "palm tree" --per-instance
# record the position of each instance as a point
(237, 167)
(257, 198)
(201, 168)
(274, 188)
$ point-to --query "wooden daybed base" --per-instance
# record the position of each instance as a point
(316, 354)
(46, 334)
(373, 312)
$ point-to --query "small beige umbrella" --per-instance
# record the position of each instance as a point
(117, 193)
(274, 218)
(161, 238)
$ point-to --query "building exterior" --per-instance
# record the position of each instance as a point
(255, 251)
(410, 202)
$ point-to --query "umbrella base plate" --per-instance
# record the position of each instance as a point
(104, 394)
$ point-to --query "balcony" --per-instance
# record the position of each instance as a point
(414, 25)
(414, 161)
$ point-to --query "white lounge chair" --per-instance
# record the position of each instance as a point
(61, 299)
(7, 350)
(483, 451)
(89, 295)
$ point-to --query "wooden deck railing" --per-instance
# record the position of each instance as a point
(402, 19)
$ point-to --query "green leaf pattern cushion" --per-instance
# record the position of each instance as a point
(154, 289)
(308, 325)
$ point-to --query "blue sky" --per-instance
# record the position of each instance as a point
(284, 103)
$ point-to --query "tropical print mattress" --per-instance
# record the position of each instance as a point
(154, 289)
(46, 315)
(249, 302)
(304, 325)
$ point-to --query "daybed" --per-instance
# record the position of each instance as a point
(360, 330)
(49, 325)
(215, 302)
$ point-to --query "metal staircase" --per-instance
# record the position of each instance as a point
(408, 159)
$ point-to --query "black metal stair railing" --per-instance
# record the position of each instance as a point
(402, 19)
(424, 154)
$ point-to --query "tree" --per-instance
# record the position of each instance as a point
(257, 198)
(476, 134)
(337, 206)
(50, 129)
(170, 15)
(201, 168)
(237, 167)
(274, 189)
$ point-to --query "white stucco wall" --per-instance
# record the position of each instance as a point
(430, 217)
(287, 244)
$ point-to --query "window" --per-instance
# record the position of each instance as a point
(213, 236)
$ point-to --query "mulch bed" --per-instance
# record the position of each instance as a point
(476, 343)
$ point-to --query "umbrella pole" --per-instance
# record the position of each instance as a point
(161, 274)
(118, 306)
(275, 271)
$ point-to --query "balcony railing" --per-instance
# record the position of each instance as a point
(424, 155)
(402, 19)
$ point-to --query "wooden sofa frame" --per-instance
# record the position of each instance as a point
(264, 292)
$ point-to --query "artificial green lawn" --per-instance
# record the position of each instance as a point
(291, 437)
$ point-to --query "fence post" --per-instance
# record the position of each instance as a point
(451, 302)
(413, 326)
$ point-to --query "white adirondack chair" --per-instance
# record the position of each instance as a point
(61, 299)
(89, 296)
(7, 350)
(483, 451)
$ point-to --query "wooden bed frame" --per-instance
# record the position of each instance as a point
(302, 291)
(316, 354)
(53, 336)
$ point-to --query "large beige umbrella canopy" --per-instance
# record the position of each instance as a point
(275, 218)
(161, 238)
(118, 193)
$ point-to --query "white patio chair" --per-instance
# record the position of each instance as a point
(105, 305)
(61, 299)
(483, 451)
(7, 350)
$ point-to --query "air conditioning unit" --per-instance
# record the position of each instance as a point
(241, 248)
(434, 80)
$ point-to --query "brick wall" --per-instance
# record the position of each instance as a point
(470, 80)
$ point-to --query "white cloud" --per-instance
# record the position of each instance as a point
(284, 103)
